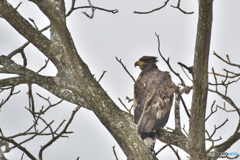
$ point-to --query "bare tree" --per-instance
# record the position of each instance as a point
(74, 83)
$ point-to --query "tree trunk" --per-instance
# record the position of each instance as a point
(74, 82)
(200, 82)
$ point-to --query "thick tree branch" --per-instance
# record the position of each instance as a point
(175, 138)
(200, 82)
(33, 35)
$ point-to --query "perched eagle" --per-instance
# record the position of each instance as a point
(155, 88)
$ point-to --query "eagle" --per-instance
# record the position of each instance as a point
(153, 99)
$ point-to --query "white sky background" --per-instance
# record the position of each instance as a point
(127, 36)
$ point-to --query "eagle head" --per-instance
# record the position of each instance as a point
(146, 62)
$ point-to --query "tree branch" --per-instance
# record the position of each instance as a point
(115, 153)
(102, 76)
(211, 111)
(178, 7)
(165, 3)
(93, 9)
(18, 146)
(21, 25)
(167, 62)
(228, 60)
(114, 11)
(9, 96)
(120, 61)
(60, 134)
(200, 82)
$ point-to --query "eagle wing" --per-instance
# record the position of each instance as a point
(159, 106)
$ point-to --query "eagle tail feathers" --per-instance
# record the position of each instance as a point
(149, 139)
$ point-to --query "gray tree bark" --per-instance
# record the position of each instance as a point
(200, 82)
(74, 82)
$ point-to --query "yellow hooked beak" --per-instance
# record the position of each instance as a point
(139, 63)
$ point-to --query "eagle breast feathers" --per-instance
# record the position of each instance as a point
(159, 106)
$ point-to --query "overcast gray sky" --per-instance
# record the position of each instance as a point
(127, 36)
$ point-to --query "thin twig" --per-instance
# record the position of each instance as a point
(188, 68)
(18, 146)
(120, 61)
(46, 62)
(167, 62)
(216, 128)
(156, 9)
(50, 104)
(59, 135)
(114, 11)
(184, 105)
(210, 138)
(9, 96)
(18, 5)
(183, 128)
(18, 50)
(124, 105)
(102, 76)
(169, 144)
(115, 153)
(36, 133)
(175, 151)
(33, 23)
(31, 101)
(224, 108)
(129, 99)
(22, 156)
(211, 110)
(178, 7)
(71, 9)
(228, 62)
(93, 9)
(215, 78)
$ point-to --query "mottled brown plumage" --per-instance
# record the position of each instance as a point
(159, 106)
